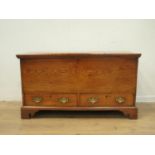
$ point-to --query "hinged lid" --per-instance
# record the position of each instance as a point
(76, 54)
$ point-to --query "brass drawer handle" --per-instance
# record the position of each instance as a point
(93, 100)
(63, 100)
(120, 99)
(37, 99)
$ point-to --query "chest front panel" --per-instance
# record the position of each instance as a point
(107, 75)
(49, 75)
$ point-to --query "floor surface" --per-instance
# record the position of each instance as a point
(76, 123)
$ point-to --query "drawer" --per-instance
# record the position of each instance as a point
(106, 100)
(56, 100)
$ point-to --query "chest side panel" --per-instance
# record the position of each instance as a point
(49, 75)
(107, 75)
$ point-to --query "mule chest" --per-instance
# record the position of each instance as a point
(79, 81)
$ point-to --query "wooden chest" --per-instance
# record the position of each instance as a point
(79, 81)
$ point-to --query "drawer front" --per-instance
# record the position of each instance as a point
(56, 100)
(106, 100)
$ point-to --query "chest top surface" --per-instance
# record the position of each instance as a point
(77, 54)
